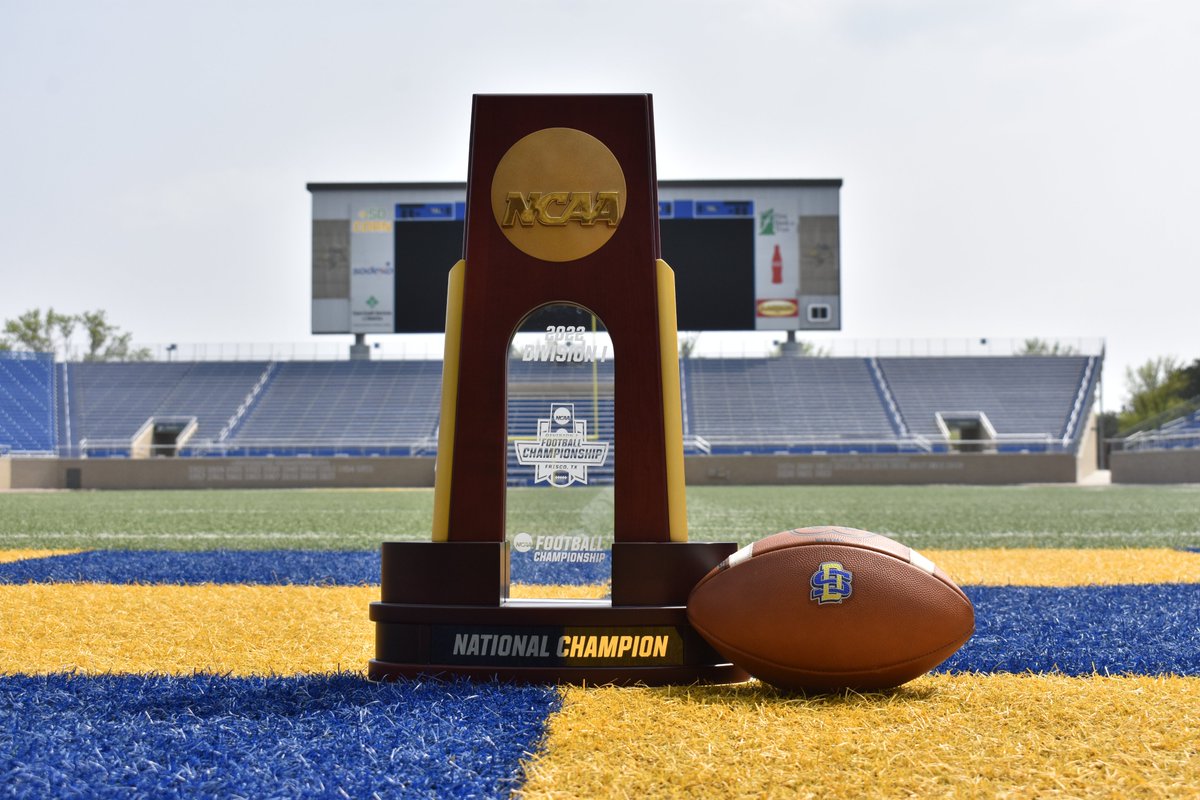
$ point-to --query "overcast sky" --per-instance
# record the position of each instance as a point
(1012, 169)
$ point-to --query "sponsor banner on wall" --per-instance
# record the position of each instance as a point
(776, 265)
(372, 271)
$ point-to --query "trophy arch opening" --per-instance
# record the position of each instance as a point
(559, 465)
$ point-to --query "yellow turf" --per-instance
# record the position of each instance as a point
(238, 630)
(549, 592)
(1050, 567)
(940, 736)
(963, 735)
(20, 555)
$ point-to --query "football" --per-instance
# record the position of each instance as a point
(831, 608)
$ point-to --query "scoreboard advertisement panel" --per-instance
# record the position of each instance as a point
(748, 255)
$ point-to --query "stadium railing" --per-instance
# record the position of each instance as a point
(1157, 441)
(1083, 399)
(704, 345)
(885, 395)
(247, 405)
(325, 448)
(693, 445)
(917, 444)
(1177, 427)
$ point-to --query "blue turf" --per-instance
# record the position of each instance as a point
(319, 736)
(270, 567)
(1083, 630)
(524, 569)
(1143, 629)
(313, 567)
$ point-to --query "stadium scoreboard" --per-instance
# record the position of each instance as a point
(747, 255)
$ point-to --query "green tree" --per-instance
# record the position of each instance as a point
(36, 332)
(1107, 427)
(1154, 387)
(106, 342)
(812, 349)
(799, 347)
(52, 332)
(1191, 380)
(1042, 347)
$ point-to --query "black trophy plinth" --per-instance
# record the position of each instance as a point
(429, 624)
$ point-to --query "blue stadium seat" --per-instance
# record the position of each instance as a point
(340, 406)
(110, 402)
(376, 408)
(27, 418)
(791, 404)
(1021, 395)
(1180, 433)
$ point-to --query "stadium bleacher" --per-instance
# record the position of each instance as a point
(1180, 433)
(784, 403)
(27, 414)
(108, 403)
(731, 405)
(1027, 397)
(350, 407)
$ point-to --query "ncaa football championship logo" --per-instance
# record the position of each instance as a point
(561, 453)
(558, 194)
(831, 583)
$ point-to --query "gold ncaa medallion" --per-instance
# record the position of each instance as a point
(558, 194)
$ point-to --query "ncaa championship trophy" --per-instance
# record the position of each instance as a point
(562, 211)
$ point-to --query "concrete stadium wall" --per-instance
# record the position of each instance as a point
(5, 473)
(965, 468)
(259, 473)
(219, 473)
(1155, 466)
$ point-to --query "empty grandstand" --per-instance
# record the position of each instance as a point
(106, 407)
(792, 404)
(390, 408)
(248, 408)
(340, 408)
(1006, 403)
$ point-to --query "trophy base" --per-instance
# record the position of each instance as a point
(443, 611)
(545, 641)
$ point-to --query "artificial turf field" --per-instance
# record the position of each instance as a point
(211, 644)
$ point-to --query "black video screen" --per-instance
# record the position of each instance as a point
(425, 254)
(713, 261)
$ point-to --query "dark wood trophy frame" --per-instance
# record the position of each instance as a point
(591, 239)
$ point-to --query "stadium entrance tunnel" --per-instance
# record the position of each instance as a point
(163, 436)
(967, 431)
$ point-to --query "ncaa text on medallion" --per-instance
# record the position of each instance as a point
(571, 207)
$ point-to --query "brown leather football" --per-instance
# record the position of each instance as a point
(830, 608)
